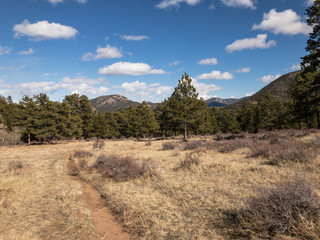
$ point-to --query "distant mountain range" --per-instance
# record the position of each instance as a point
(278, 88)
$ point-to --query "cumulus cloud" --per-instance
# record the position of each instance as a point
(30, 51)
(5, 50)
(239, 3)
(128, 68)
(44, 30)
(216, 75)
(251, 43)
(295, 67)
(286, 22)
(176, 3)
(175, 63)
(269, 78)
(80, 85)
(249, 94)
(205, 89)
(107, 52)
(144, 90)
(244, 70)
(208, 61)
(134, 38)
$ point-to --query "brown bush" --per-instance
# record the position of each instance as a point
(168, 146)
(81, 154)
(229, 146)
(284, 152)
(190, 161)
(148, 143)
(72, 167)
(123, 168)
(14, 166)
(291, 208)
(193, 145)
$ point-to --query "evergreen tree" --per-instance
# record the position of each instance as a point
(74, 123)
(146, 120)
(27, 107)
(86, 114)
(184, 103)
(306, 89)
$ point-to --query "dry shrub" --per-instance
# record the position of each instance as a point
(193, 145)
(81, 154)
(148, 143)
(98, 144)
(123, 168)
(168, 146)
(72, 167)
(10, 138)
(291, 208)
(233, 145)
(228, 136)
(284, 152)
(190, 161)
(14, 166)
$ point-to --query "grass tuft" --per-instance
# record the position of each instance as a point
(169, 146)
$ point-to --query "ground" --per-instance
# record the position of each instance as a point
(40, 200)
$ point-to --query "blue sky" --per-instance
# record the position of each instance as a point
(140, 48)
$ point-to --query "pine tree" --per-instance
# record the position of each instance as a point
(306, 89)
(146, 120)
(184, 103)
(86, 114)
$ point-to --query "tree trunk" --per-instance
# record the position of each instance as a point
(29, 138)
(185, 129)
(318, 119)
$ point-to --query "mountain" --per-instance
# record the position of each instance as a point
(112, 103)
(278, 88)
(219, 102)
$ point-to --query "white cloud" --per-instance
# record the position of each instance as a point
(44, 30)
(5, 50)
(295, 67)
(208, 61)
(61, 1)
(204, 89)
(239, 3)
(216, 75)
(269, 78)
(309, 2)
(244, 70)
(176, 3)
(107, 52)
(127, 68)
(133, 87)
(80, 85)
(134, 38)
(249, 94)
(159, 89)
(251, 43)
(286, 22)
(211, 6)
(30, 51)
(175, 63)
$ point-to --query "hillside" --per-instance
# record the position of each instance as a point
(219, 102)
(279, 89)
(112, 103)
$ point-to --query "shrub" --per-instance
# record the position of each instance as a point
(233, 145)
(72, 168)
(190, 161)
(98, 144)
(82, 154)
(291, 208)
(14, 166)
(148, 143)
(122, 168)
(284, 152)
(168, 146)
(193, 145)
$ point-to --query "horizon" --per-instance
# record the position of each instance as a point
(140, 49)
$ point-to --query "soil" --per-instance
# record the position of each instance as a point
(103, 220)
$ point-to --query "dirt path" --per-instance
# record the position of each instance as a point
(101, 216)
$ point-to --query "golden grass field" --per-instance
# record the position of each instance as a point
(41, 201)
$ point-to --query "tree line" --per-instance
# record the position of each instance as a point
(41, 119)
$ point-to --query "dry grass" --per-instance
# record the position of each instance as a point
(42, 202)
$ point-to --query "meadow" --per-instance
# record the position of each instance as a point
(227, 186)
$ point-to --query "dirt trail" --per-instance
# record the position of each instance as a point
(101, 216)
